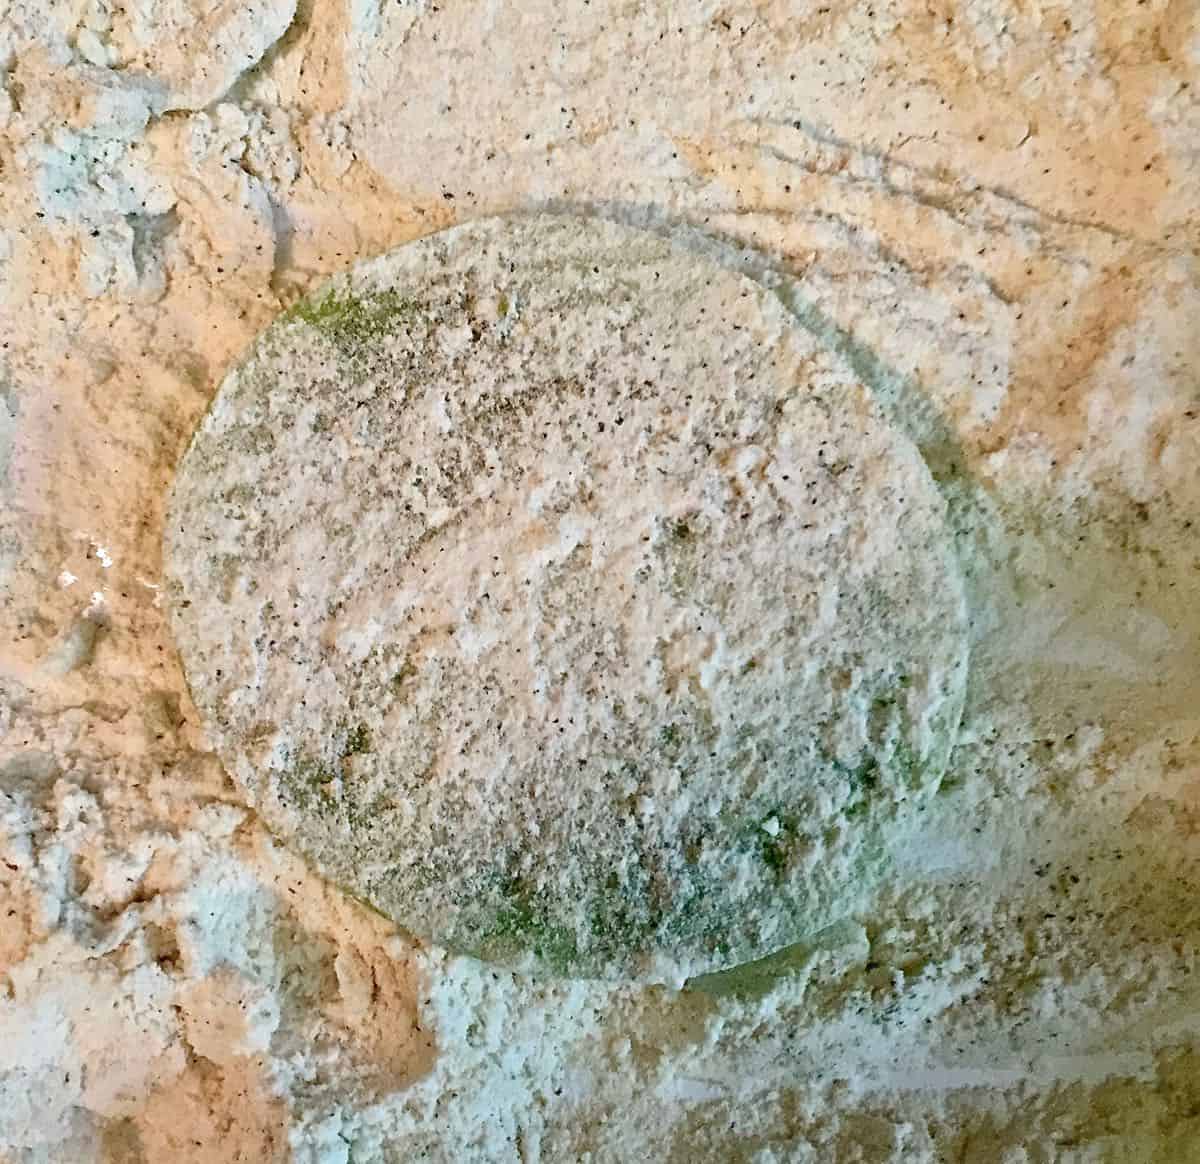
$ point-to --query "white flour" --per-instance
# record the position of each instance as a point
(560, 597)
(991, 213)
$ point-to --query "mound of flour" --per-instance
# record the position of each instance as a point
(559, 598)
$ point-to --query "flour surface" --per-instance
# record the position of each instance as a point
(985, 213)
(566, 602)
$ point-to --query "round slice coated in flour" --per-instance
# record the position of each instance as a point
(553, 592)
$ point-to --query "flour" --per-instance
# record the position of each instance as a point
(638, 703)
(989, 215)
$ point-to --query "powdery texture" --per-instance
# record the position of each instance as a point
(989, 213)
(562, 598)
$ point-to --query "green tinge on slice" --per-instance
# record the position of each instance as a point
(555, 594)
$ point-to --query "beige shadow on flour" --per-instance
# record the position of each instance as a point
(340, 993)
